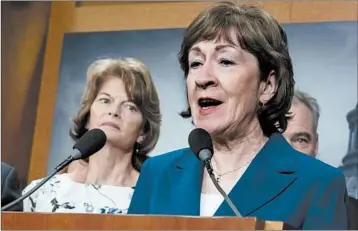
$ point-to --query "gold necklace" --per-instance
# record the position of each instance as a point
(220, 175)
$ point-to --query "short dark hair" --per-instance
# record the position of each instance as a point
(259, 34)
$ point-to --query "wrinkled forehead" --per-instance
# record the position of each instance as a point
(302, 118)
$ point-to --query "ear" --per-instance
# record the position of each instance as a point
(141, 137)
(268, 89)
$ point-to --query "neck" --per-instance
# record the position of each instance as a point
(111, 166)
(239, 151)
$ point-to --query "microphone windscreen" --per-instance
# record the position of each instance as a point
(91, 142)
(200, 139)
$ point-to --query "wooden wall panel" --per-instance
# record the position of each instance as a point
(114, 16)
(23, 27)
(59, 21)
(323, 11)
(130, 16)
(158, 15)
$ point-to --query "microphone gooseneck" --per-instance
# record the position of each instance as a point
(201, 145)
(90, 143)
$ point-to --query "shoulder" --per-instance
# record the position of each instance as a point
(168, 158)
(316, 170)
(163, 161)
(325, 190)
(46, 193)
(9, 178)
(305, 165)
(5, 167)
(50, 185)
(6, 170)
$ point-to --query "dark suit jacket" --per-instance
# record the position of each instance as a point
(352, 210)
(10, 187)
(281, 184)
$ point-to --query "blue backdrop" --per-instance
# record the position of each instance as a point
(325, 64)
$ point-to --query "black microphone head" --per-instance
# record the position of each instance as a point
(201, 144)
(90, 143)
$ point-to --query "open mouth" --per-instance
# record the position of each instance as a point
(208, 102)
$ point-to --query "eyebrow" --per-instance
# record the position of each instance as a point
(104, 93)
(304, 134)
(221, 47)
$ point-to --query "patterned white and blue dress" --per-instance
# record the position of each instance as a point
(63, 195)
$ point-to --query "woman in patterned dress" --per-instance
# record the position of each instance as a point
(121, 99)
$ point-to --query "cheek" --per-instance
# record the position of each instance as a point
(304, 148)
(97, 111)
(312, 147)
(298, 148)
(241, 93)
(240, 81)
(91, 119)
(133, 123)
(190, 86)
(94, 115)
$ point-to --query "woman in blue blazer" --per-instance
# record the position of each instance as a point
(239, 82)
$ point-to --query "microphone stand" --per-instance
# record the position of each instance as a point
(218, 187)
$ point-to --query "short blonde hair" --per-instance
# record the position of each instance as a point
(139, 87)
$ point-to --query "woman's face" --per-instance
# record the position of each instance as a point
(223, 86)
(116, 115)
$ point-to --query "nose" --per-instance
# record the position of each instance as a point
(114, 110)
(204, 84)
(207, 78)
(113, 114)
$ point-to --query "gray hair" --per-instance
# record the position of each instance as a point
(311, 103)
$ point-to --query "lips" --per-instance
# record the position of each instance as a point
(110, 124)
(208, 105)
(208, 102)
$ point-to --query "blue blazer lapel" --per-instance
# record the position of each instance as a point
(185, 177)
(270, 173)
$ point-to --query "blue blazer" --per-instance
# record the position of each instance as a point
(281, 184)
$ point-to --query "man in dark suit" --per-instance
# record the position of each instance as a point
(352, 211)
(302, 134)
(10, 187)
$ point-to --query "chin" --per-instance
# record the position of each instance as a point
(112, 136)
(209, 126)
(109, 130)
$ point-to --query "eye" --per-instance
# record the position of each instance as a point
(131, 107)
(195, 64)
(226, 62)
(302, 140)
(103, 100)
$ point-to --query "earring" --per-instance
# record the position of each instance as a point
(136, 148)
